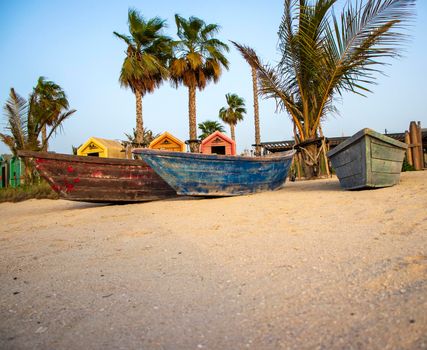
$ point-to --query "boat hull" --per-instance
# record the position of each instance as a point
(103, 180)
(197, 174)
(368, 160)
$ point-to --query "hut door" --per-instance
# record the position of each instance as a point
(218, 150)
(3, 176)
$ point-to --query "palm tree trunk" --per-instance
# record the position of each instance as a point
(29, 171)
(194, 146)
(256, 113)
(233, 136)
(310, 161)
(139, 123)
(309, 154)
(44, 141)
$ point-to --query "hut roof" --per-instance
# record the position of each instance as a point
(167, 135)
(110, 144)
(220, 135)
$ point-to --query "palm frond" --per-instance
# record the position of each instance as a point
(202, 51)
(366, 34)
(127, 39)
(57, 126)
(16, 109)
(209, 31)
(9, 141)
(248, 54)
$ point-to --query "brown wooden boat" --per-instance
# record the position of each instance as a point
(93, 179)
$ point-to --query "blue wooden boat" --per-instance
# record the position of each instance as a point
(198, 174)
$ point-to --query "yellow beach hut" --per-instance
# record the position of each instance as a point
(167, 142)
(104, 148)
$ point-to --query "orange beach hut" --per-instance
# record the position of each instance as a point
(218, 143)
(167, 142)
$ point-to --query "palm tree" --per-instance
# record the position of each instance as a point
(131, 142)
(249, 55)
(145, 65)
(198, 59)
(233, 113)
(208, 127)
(49, 100)
(324, 56)
(25, 124)
(146, 138)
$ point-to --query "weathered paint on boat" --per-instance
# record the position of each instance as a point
(198, 174)
(93, 179)
(367, 160)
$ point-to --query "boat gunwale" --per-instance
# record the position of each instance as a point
(81, 159)
(277, 157)
(362, 133)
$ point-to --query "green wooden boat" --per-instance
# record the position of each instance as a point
(368, 160)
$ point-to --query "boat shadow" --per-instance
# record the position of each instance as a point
(322, 185)
(81, 205)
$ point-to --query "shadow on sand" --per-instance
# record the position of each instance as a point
(326, 185)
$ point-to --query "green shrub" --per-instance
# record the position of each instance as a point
(406, 166)
(41, 190)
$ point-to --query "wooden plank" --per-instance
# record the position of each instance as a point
(116, 194)
(99, 171)
(353, 182)
(384, 179)
(386, 166)
(384, 151)
(417, 153)
(350, 169)
(409, 150)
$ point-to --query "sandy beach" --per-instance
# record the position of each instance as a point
(310, 266)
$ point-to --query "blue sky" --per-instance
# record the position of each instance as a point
(72, 43)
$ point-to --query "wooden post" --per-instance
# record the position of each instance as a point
(409, 150)
(299, 165)
(325, 158)
(420, 140)
(416, 153)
